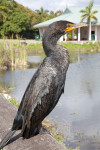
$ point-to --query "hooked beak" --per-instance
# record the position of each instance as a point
(71, 27)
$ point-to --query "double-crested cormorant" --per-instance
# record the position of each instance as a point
(46, 86)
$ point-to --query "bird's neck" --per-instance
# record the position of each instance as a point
(49, 45)
(50, 42)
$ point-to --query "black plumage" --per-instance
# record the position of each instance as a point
(45, 87)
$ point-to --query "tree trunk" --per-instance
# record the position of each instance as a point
(90, 31)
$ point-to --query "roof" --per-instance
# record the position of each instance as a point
(71, 14)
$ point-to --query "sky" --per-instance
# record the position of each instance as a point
(54, 4)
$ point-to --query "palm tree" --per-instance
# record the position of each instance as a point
(89, 14)
(43, 14)
(41, 11)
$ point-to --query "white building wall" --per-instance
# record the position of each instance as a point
(84, 33)
(98, 32)
(41, 31)
(93, 28)
(61, 39)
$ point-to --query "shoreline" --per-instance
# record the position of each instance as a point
(71, 52)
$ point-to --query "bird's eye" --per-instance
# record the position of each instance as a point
(68, 25)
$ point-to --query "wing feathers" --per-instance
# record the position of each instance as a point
(39, 103)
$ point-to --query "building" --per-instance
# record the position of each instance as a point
(73, 15)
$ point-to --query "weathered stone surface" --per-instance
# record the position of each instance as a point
(39, 142)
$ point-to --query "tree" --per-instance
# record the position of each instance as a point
(17, 19)
(53, 14)
(58, 13)
(41, 11)
(33, 16)
(16, 22)
(4, 10)
(12, 19)
(89, 14)
(43, 14)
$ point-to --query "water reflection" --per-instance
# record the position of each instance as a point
(78, 110)
(82, 99)
(34, 59)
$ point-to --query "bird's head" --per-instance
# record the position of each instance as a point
(71, 27)
(56, 30)
(59, 28)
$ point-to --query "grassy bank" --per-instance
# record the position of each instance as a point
(82, 48)
(71, 47)
(13, 54)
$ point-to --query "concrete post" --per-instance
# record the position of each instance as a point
(95, 33)
(78, 34)
(41, 33)
(66, 37)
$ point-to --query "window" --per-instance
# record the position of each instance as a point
(92, 32)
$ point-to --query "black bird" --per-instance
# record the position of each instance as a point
(46, 86)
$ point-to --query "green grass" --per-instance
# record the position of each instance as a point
(71, 47)
(14, 102)
(37, 46)
(82, 47)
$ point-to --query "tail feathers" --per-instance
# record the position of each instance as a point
(7, 138)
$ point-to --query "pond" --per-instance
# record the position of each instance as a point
(77, 113)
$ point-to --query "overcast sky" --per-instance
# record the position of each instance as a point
(54, 4)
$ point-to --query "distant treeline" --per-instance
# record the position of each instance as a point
(17, 21)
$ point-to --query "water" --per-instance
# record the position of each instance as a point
(77, 113)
